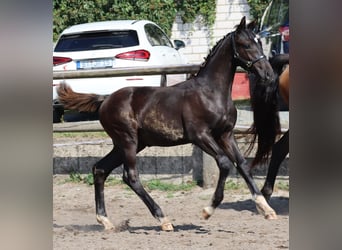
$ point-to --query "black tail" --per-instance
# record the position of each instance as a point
(78, 101)
(264, 102)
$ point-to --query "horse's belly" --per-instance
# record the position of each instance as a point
(159, 133)
(163, 134)
(160, 141)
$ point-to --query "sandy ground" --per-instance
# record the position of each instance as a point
(234, 225)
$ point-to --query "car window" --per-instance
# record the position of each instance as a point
(156, 36)
(97, 40)
(277, 14)
(276, 23)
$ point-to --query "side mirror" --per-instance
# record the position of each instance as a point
(179, 44)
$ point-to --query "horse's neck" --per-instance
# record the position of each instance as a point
(219, 69)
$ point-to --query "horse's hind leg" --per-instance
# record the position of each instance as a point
(279, 151)
(101, 170)
(131, 178)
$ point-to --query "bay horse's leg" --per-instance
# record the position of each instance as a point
(244, 169)
(131, 178)
(101, 170)
(279, 151)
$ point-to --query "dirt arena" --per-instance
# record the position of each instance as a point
(234, 225)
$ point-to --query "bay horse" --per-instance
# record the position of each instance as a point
(199, 110)
(268, 120)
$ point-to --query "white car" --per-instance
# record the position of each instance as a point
(112, 44)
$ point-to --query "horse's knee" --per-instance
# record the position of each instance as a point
(224, 163)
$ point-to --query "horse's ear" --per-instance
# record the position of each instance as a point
(242, 24)
(252, 25)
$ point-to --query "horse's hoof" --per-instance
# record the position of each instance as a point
(105, 222)
(271, 216)
(264, 209)
(207, 212)
(205, 215)
(168, 227)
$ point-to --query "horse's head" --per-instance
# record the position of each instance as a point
(248, 51)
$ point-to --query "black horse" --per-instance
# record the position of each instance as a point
(265, 104)
(199, 111)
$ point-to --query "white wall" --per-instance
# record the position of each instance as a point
(200, 39)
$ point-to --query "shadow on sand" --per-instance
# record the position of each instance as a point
(278, 203)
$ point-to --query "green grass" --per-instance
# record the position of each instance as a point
(112, 181)
(79, 134)
(150, 185)
(233, 185)
(282, 185)
(79, 178)
(168, 187)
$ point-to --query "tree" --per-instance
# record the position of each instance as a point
(257, 8)
(163, 12)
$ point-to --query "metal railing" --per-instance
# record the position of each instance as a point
(132, 71)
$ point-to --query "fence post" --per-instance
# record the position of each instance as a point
(210, 171)
(163, 80)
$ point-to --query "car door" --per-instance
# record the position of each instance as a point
(274, 28)
(162, 46)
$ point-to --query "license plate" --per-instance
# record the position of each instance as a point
(95, 63)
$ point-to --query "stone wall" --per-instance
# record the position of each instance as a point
(200, 39)
(177, 164)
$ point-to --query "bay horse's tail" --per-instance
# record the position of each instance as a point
(78, 101)
(264, 102)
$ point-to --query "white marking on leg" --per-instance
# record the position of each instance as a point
(263, 208)
(166, 225)
(207, 212)
(104, 221)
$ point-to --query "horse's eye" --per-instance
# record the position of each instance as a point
(247, 46)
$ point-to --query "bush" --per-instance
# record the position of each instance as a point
(162, 12)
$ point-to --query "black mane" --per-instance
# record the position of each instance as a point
(213, 51)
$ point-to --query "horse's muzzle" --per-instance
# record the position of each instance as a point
(264, 70)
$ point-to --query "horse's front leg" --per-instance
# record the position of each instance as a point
(219, 191)
(243, 168)
(210, 146)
